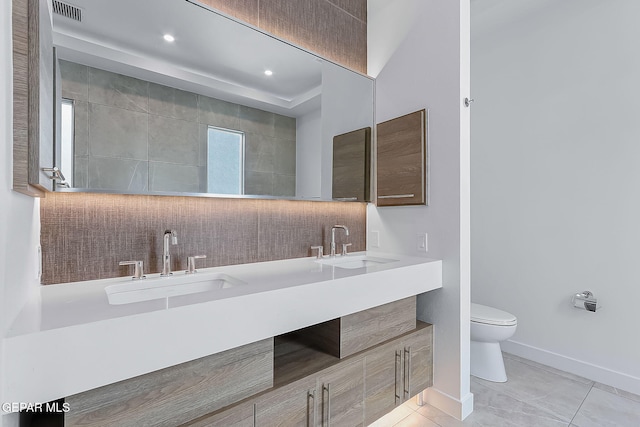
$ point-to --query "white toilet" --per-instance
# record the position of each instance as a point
(489, 326)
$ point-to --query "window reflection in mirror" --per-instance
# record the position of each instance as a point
(225, 161)
(131, 135)
(67, 138)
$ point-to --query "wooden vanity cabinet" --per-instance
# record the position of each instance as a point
(177, 394)
(292, 405)
(281, 381)
(402, 160)
(342, 395)
(240, 415)
(417, 362)
(397, 371)
(383, 382)
(359, 331)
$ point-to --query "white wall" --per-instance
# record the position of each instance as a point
(419, 52)
(339, 111)
(342, 111)
(555, 173)
(309, 154)
(19, 214)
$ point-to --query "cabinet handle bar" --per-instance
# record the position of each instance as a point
(311, 394)
(397, 196)
(407, 364)
(395, 387)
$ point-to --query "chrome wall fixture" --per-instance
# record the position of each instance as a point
(585, 301)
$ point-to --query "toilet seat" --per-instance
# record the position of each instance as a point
(491, 316)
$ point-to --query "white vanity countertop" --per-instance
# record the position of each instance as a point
(72, 340)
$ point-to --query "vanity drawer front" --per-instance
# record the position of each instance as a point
(177, 394)
(348, 335)
(363, 330)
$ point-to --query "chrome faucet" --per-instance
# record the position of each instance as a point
(333, 237)
(166, 255)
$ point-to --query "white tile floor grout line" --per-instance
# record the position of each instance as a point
(582, 403)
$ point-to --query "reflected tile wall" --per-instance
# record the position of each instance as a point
(149, 131)
(84, 236)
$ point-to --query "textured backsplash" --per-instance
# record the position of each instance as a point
(84, 236)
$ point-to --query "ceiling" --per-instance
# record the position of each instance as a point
(212, 54)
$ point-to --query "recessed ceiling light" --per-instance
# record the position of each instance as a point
(268, 72)
(169, 38)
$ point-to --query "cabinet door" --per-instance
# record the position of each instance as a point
(402, 160)
(33, 102)
(241, 415)
(352, 166)
(292, 405)
(342, 391)
(418, 362)
(383, 381)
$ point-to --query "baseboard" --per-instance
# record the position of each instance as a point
(459, 409)
(574, 366)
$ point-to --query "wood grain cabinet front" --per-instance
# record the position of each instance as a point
(402, 160)
(359, 331)
(342, 395)
(33, 98)
(292, 405)
(397, 371)
(291, 383)
(417, 357)
(240, 415)
(178, 394)
(352, 166)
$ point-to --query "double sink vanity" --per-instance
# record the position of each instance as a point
(326, 340)
(238, 335)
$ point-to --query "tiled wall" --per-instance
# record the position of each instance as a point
(335, 29)
(133, 135)
(84, 236)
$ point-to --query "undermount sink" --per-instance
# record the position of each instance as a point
(161, 287)
(356, 261)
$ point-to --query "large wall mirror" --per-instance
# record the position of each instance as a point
(170, 97)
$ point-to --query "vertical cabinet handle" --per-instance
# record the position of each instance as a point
(407, 375)
(398, 368)
(255, 414)
(311, 397)
(328, 389)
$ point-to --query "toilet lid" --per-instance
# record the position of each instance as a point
(491, 316)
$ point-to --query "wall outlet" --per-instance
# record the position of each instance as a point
(39, 262)
(422, 243)
(374, 239)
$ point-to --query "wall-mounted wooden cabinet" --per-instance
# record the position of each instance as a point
(33, 97)
(402, 160)
(352, 166)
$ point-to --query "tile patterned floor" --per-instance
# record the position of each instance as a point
(535, 396)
